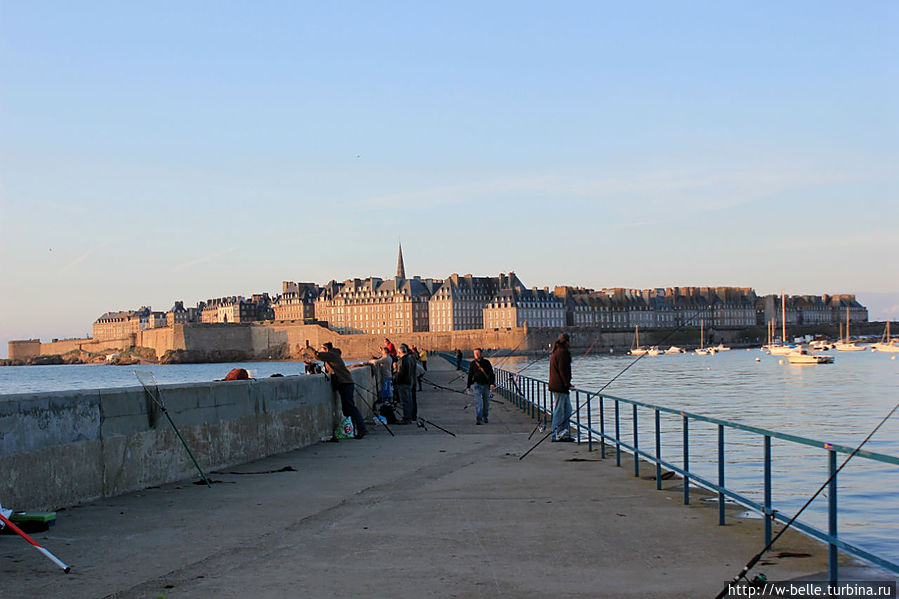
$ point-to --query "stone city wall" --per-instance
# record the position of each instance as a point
(286, 339)
(64, 448)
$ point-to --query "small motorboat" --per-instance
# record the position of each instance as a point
(801, 356)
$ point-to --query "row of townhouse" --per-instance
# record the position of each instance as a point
(810, 309)
(404, 305)
(125, 324)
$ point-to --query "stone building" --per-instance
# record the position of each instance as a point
(296, 302)
(458, 303)
(120, 325)
(377, 306)
(516, 306)
(237, 309)
(178, 314)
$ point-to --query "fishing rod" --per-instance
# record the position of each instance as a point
(501, 360)
(34, 544)
(623, 370)
(751, 563)
(371, 407)
(541, 420)
(422, 421)
(436, 386)
(147, 378)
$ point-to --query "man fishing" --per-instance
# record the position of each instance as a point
(560, 386)
(480, 373)
(341, 381)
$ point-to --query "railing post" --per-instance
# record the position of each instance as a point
(589, 422)
(720, 475)
(577, 417)
(832, 517)
(658, 452)
(769, 516)
(617, 436)
(636, 445)
(549, 400)
(602, 428)
(686, 459)
(531, 397)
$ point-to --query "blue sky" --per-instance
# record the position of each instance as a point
(152, 152)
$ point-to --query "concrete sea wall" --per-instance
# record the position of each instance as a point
(64, 448)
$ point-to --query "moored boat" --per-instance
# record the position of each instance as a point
(801, 356)
(637, 350)
(886, 344)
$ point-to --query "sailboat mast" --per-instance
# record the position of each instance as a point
(783, 318)
(847, 324)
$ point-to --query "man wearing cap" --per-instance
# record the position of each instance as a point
(341, 381)
(559, 386)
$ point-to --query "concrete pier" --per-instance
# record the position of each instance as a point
(422, 514)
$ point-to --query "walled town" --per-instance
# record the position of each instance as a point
(444, 314)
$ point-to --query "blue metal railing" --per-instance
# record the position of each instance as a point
(531, 396)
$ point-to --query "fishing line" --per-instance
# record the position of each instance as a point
(501, 360)
(541, 419)
(376, 417)
(623, 370)
(146, 379)
(749, 565)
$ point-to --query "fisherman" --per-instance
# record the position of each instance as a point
(560, 386)
(458, 359)
(480, 373)
(384, 367)
(341, 381)
(404, 379)
(391, 348)
(423, 358)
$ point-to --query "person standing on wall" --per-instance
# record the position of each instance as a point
(480, 374)
(342, 382)
(560, 386)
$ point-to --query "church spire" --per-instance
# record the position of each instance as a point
(400, 267)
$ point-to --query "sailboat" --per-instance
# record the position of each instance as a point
(702, 350)
(848, 345)
(886, 344)
(782, 349)
(637, 350)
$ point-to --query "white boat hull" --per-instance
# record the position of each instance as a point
(849, 347)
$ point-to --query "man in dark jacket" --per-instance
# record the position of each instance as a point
(480, 373)
(404, 379)
(342, 382)
(559, 386)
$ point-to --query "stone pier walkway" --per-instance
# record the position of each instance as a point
(422, 514)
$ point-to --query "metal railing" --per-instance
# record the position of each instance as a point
(532, 396)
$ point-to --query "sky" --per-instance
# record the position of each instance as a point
(161, 151)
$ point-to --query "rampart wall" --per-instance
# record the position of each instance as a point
(285, 339)
(64, 448)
